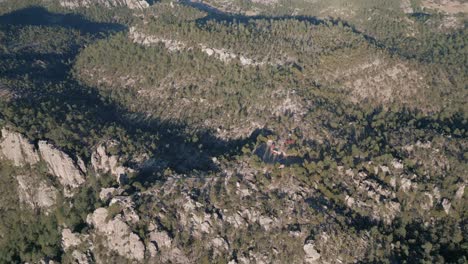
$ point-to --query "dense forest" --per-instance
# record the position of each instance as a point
(232, 132)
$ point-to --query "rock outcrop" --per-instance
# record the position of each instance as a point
(161, 238)
(117, 234)
(62, 166)
(311, 254)
(107, 193)
(172, 45)
(368, 193)
(132, 4)
(35, 192)
(70, 240)
(71, 243)
(460, 192)
(17, 148)
(406, 7)
(103, 162)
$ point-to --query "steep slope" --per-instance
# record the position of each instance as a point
(194, 136)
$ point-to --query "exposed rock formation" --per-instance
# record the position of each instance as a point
(16, 148)
(70, 239)
(265, 2)
(71, 242)
(107, 193)
(103, 162)
(20, 151)
(370, 194)
(447, 205)
(446, 6)
(127, 207)
(61, 165)
(161, 238)
(405, 5)
(35, 192)
(311, 255)
(80, 257)
(221, 54)
(132, 4)
(117, 234)
(460, 192)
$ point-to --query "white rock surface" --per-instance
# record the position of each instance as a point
(128, 208)
(102, 162)
(80, 257)
(265, 222)
(406, 7)
(219, 245)
(35, 192)
(132, 4)
(446, 204)
(428, 202)
(117, 235)
(70, 239)
(161, 238)
(62, 166)
(172, 45)
(17, 148)
(460, 192)
(349, 201)
(107, 193)
(397, 164)
(311, 254)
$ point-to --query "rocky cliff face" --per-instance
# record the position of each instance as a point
(132, 4)
(61, 165)
(17, 148)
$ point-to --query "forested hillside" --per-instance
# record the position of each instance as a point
(233, 131)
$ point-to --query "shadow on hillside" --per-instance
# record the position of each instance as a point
(49, 82)
(219, 15)
(39, 16)
(333, 210)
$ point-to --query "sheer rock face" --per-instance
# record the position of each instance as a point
(35, 192)
(18, 149)
(117, 235)
(132, 4)
(61, 165)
